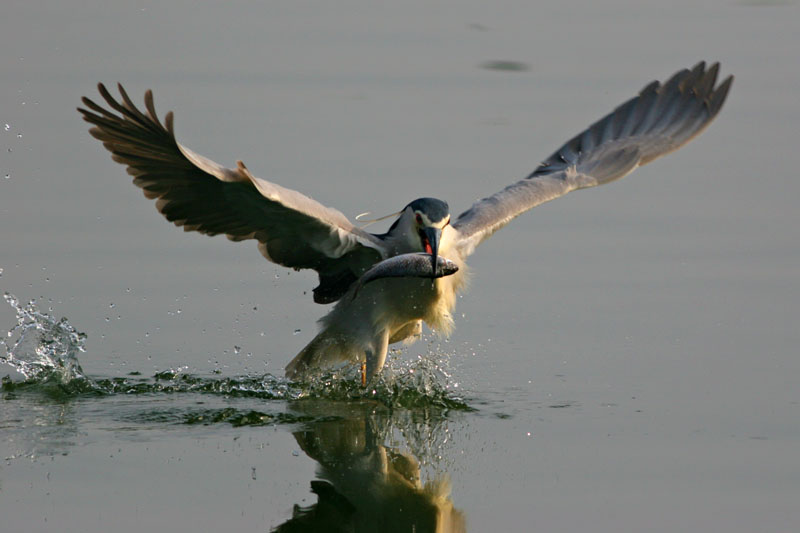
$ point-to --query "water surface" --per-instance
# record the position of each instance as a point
(625, 359)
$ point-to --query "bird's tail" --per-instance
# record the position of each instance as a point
(327, 349)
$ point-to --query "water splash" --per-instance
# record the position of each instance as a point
(45, 351)
(408, 388)
(420, 383)
(394, 391)
(42, 348)
(406, 407)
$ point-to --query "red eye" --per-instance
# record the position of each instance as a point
(419, 219)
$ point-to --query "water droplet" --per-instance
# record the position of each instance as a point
(295, 453)
(19, 136)
(111, 305)
(237, 349)
(8, 176)
(296, 331)
(7, 127)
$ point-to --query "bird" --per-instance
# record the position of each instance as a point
(296, 231)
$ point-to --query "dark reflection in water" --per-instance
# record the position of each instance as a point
(372, 465)
(381, 461)
(381, 451)
(36, 425)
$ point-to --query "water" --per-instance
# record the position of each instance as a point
(41, 348)
(624, 360)
(381, 449)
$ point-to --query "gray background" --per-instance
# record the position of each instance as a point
(661, 310)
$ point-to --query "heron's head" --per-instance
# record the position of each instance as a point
(430, 218)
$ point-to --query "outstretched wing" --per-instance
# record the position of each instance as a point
(662, 118)
(192, 191)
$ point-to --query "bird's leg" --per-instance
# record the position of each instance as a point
(363, 373)
(376, 354)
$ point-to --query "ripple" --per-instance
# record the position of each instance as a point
(45, 351)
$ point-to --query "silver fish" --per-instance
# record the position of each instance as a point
(413, 265)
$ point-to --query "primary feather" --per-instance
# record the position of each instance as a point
(659, 120)
(200, 195)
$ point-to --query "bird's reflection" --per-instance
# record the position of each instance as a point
(370, 473)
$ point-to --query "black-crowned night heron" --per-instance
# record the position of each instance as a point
(297, 232)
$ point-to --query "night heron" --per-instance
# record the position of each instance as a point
(295, 231)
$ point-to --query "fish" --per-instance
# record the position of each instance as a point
(413, 265)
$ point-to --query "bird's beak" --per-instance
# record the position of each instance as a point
(433, 236)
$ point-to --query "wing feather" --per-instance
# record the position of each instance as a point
(200, 195)
(659, 120)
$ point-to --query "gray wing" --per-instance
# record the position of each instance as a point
(662, 118)
(192, 191)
